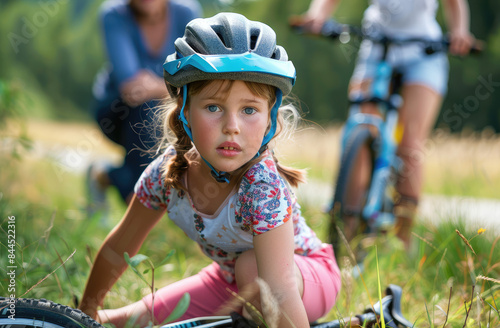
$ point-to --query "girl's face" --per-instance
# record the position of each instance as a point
(228, 122)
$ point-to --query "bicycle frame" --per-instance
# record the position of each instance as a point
(385, 157)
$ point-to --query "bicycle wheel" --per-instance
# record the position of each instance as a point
(360, 137)
(25, 312)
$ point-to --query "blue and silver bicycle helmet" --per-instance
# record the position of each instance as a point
(228, 46)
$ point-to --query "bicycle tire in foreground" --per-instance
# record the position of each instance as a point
(24, 312)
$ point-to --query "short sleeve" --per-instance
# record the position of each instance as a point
(150, 189)
(264, 202)
(118, 38)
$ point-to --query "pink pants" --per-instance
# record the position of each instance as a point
(208, 288)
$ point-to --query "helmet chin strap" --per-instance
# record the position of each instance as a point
(221, 176)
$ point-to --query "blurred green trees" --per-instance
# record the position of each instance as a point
(53, 49)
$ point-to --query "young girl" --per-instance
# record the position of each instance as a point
(220, 182)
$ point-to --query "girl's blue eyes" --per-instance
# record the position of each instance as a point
(212, 108)
(246, 110)
(249, 110)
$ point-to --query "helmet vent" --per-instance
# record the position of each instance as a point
(254, 37)
(218, 29)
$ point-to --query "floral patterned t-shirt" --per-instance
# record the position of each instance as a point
(262, 202)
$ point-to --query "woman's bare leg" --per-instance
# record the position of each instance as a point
(418, 116)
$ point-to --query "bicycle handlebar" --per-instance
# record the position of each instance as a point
(335, 30)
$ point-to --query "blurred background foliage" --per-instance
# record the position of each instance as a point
(52, 49)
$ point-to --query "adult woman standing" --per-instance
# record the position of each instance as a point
(138, 35)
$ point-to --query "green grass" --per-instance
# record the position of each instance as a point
(439, 259)
(51, 224)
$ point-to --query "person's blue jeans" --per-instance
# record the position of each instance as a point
(133, 129)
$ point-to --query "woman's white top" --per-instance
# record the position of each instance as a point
(403, 18)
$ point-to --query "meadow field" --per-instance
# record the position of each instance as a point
(449, 278)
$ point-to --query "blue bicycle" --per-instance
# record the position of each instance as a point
(367, 190)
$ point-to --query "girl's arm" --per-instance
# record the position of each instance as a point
(457, 19)
(109, 264)
(274, 251)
